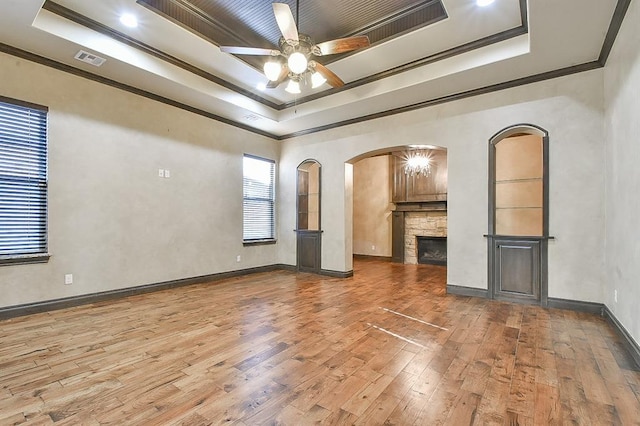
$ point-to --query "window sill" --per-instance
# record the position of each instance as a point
(259, 242)
(22, 259)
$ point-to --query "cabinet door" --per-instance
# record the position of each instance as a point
(397, 237)
(398, 180)
(309, 251)
(517, 269)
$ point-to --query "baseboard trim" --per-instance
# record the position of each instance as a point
(575, 305)
(630, 344)
(369, 257)
(84, 299)
(460, 290)
(336, 274)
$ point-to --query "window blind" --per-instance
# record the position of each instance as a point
(23, 180)
(258, 199)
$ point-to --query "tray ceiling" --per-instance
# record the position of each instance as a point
(418, 57)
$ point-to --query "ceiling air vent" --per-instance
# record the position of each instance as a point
(89, 58)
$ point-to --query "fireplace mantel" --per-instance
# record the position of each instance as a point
(425, 206)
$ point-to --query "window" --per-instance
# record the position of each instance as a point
(23, 182)
(258, 199)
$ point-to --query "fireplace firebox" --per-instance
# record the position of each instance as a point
(432, 250)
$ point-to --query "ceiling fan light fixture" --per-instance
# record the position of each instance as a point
(293, 87)
(272, 70)
(317, 80)
(297, 62)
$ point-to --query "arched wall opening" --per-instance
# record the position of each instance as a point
(399, 204)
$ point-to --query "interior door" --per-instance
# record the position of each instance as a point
(308, 231)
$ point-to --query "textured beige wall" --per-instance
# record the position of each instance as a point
(113, 223)
(622, 127)
(372, 207)
(569, 108)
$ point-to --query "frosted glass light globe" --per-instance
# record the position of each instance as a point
(293, 87)
(317, 80)
(272, 70)
(297, 63)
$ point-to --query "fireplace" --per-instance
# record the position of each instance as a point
(432, 250)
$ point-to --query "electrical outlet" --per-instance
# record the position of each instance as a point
(68, 279)
(373, 248)
(160, 172)
(238, 258)
(615, 296)
(167, 173)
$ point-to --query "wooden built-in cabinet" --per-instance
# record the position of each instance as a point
(413, 189)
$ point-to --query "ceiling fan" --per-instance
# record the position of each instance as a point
(294, 60)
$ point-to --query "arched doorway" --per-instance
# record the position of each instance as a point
(518, 214)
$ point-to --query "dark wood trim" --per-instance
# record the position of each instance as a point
(336, 274)
(24, 259)
(575, 305)
(612, 33)
(519, 237)
(524, 14)
(454, 51)
(453, 97)
(5, 48)
(132, 42)
(614, 27)
(68, 302)
(629, 342)
(249, 243)
(460, 290)
(19, 102)
(369, 257)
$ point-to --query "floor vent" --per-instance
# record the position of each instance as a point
(89, 58)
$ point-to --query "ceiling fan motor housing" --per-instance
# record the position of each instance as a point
(304, 45)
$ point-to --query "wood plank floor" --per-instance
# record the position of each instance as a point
(385, 347)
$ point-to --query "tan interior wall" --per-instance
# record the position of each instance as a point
(372, 207)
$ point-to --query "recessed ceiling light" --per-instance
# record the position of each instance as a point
(129, 20)
(483, 3)
(261, 86)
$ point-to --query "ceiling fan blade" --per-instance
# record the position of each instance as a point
(331, 77)
(285, 21)
(237, 50)
(343, 45)
(284, 73)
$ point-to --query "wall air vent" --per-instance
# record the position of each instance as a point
(89, 58)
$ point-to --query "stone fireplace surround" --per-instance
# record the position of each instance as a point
(423, 224)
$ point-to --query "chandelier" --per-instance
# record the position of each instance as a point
(417, 163)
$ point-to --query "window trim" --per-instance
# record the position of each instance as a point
(260, 241)
(44, 256)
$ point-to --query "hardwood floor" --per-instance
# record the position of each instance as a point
(384, 347)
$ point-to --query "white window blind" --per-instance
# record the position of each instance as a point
(23, 180)
(258, 199)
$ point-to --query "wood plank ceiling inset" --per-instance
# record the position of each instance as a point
(251, 23)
